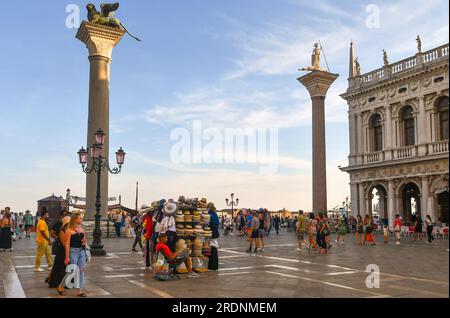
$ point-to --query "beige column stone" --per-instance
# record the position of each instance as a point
(389, 135)
(317, 83)
(352, 134)
(422, 128)
(391, 202)
(424, 198)
(359, 139)
(100, 41)
(354, 198)
(362, 199)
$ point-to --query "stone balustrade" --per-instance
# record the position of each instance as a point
(438, 147)
(437, 53)
(406, 152)
(375, 157)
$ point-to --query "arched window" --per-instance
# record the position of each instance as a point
(377, 132)
(408, 126)
(442, 108)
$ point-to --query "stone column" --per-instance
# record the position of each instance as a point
(360, 139)
(422, 128)
(317, 83)
(391, 202)
(424, 198)
(354, 198)
(362, 199)
(100, 41)
(389, 132)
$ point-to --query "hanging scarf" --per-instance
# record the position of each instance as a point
(148, 225)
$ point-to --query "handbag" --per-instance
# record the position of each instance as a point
(161, 268)
(88, 254)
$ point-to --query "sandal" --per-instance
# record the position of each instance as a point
(61, 292)
(82, 295)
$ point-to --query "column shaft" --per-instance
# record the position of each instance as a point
(391, 201)
(98, 118)
(319, 155)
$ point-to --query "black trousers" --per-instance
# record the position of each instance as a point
(148, 251)
(138, 240)
(213, 263)
(429, 233)
(171, 240)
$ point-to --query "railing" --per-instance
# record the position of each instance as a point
(438, 147)
(373, 76)
(437, 53)
(375, 157)
(406, 152)
(403, 65)
(406, 64)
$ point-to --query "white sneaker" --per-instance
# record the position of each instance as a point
(398, 243)
(39, 270)
(193, 275)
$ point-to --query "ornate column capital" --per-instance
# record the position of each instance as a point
(318, 82)
(99, 39)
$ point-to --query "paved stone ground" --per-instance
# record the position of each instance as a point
(407, 270)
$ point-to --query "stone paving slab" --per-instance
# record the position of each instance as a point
(408, 270)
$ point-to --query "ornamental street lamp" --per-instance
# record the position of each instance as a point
(232, 204)
(99, 164)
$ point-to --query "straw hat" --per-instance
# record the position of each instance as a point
(170, 208)
(144, 208)
(65, 220)
(211, 206)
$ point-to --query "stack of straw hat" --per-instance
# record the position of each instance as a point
(196, 217)
(197, 248)
(179, 217)
(206, 217)
(203, 203)
(187, 216)
(180, 230)
(207, 232)
(180, 246)
(188, 231)
(198, 231)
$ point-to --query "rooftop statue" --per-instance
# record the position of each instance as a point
(315, 60)
(357, 67)
(106, 17)
(385, 58)
(419, 44)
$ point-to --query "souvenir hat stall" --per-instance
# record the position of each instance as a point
(193, 230)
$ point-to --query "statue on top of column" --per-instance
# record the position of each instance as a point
(315, 60)
(106, 17)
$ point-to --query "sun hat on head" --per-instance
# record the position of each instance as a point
(144, 208)
(170, 208)
(211, 206)
(65, 220)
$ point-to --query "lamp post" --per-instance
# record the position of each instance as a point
(99, 164)
(232, 203)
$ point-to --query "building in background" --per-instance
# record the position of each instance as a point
(398, 124)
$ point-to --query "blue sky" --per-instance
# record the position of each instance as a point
(230, 64)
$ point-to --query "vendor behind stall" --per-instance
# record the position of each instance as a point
(174, 259)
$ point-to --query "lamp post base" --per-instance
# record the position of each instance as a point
(97, 250)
